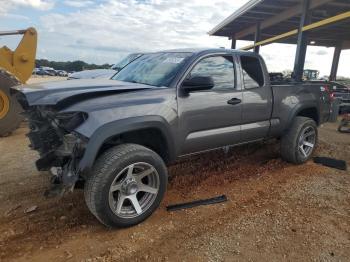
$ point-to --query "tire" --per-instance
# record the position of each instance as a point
(292, 141)
(111, 172)
(10, 109)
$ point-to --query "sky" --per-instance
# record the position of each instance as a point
(104, 31)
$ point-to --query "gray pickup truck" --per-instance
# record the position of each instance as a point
(118, 135)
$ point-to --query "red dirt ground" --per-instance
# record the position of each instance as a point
(276, 211)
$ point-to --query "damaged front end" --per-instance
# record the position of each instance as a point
(55, 110)
(60, 148)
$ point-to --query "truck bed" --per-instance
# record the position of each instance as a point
(289, 97)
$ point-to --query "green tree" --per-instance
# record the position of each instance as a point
(69, 66)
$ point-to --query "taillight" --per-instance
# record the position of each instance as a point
(329, 91)
(326, 88)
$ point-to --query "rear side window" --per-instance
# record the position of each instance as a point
(220, 68)
(253, 76)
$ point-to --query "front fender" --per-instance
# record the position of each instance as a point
(103, 133)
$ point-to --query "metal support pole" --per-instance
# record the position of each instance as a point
(257, 38)
(233, 43)
(302, 43)
(335, 63)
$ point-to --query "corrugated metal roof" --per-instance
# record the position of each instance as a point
(235, 15)
(280, 16)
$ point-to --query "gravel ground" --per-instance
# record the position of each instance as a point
(275, 211)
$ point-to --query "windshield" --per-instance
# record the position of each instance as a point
(118, 66)
(157, 69)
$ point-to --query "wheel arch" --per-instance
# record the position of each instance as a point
(124, 131)
(307, 110)
(310, 112)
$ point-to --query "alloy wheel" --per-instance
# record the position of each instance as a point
(134, 190)
(307, 141)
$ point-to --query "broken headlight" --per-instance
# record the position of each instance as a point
(70, 120)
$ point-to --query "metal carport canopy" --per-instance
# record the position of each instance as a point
(277, 17)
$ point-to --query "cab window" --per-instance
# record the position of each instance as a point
(253, 76)
(219, 68)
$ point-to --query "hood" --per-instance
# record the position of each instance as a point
(92, 74)
(56, 93)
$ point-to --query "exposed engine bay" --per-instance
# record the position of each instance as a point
(60, 148)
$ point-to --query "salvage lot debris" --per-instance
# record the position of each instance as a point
(276, 210)
(344, 126)
(331, 162)
(30, 209)
(202, 202)
(12, 209)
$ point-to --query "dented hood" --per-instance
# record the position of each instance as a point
(53, 93)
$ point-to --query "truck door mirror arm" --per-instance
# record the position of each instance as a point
(197, 83)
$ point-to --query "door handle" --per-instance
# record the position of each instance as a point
(234, 101)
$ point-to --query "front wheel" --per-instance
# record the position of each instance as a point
(126, 185)
(298, 144)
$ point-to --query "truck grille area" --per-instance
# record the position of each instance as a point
(57, 146)
(43, 139)
(43, 135)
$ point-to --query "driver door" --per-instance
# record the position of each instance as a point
(211, 118)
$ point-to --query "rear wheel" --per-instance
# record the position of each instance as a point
(10, 109)
(126, 185)
(298, 144)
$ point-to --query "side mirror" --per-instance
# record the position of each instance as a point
(198, 83)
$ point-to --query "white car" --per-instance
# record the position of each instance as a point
(105, 73)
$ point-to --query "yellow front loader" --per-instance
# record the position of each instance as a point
(16, 67)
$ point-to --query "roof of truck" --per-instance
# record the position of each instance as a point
(200, 50)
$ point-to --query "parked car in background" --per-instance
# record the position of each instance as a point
(42, 71)
(35, 71)
(49, 71)
(105, 73)
(119, 134)
(61, 73)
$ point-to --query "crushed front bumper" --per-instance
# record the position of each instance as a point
(59, 150)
